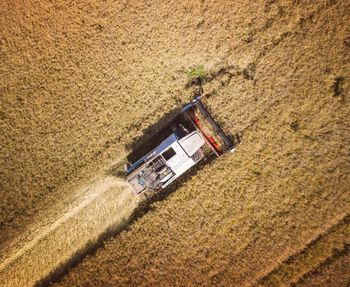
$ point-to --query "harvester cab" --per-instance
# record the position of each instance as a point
(191, 136)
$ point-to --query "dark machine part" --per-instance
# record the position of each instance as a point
(217, 130)
(154, 172)
(215, 137)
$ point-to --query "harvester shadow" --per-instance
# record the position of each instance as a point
(160, 131)
(143, 208)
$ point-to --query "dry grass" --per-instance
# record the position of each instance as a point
(71, 97)
(333, 273)
(231, 225)
(320, 253)
(279, 76)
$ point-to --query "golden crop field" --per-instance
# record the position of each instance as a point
(81, 81)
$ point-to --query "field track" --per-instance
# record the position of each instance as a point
(80, 226)
(103, 205)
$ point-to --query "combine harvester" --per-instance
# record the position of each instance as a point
(191, 136)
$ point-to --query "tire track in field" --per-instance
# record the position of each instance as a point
(107, 203)
(329, 229)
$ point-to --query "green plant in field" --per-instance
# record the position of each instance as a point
(197, 72)
(256, 171)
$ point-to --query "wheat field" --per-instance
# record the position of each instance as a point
(81, 81)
